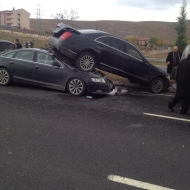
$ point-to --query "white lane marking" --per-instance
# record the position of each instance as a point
(167, 117)
(135, 183)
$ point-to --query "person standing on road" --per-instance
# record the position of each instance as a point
(17, 44)
(183, 86)
(29, 43)
(172, 61)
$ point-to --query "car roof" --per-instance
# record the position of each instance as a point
(93, 34)
(33, 49)
(6, 41)
(90, 31)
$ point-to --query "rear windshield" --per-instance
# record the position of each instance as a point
(6, 46)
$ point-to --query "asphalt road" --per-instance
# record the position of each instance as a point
(53, 141)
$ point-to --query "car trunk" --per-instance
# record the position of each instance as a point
(61, 28)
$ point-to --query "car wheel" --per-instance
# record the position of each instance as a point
(76, 87)
(86, 62)
(5, 77)
(156, 85)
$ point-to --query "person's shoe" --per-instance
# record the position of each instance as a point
(170, 107)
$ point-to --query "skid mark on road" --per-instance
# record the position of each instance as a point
(167, 117)
(135, 183)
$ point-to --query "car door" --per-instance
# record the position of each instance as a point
(113, 56)
(22, 64)
(140, 69)
(45, 72)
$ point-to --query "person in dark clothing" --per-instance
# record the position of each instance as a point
(183, 86)
(17, 44)
(173, 60)
(29, 43)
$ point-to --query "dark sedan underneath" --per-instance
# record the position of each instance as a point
(44, 68)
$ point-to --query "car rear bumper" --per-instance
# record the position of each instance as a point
(62, 47)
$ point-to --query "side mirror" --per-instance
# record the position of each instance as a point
(56, 64)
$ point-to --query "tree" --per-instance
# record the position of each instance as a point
(132, 38)
(66, 16)
(154, 40)
(181, 28)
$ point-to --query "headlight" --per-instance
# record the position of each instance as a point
(98, 80)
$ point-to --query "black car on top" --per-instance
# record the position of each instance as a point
(45, 68)
(93, 48)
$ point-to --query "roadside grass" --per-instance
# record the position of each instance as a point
(40, 42)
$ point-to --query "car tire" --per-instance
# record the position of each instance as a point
(76, 87)
(156, 85)
(86, 62)
(5, 77)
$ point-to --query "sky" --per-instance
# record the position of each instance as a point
(125, 10)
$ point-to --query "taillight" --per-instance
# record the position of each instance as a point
(65, 35)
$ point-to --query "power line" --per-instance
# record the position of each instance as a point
(39, 15)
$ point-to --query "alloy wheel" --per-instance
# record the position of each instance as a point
(76, 87)
(86, 62)
(4, 77)
(157, 85)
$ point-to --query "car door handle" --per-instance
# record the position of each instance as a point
(11, 62)
(36, 67)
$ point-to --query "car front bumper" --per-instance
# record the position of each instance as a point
(100, 88)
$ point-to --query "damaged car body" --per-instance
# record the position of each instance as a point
(91, 49)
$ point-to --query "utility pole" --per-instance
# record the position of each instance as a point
(38, 13)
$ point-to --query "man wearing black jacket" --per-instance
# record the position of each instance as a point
(17, 44)
(183, 86)
(173, 60)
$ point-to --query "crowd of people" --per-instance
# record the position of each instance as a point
(29, 44)
(180, 72)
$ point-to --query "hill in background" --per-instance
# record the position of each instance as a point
(118, 28)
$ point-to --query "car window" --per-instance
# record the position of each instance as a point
(9, 55)
(25, 55)
(131, 50)
(6, 46)
(45, 58)
(113, 42)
